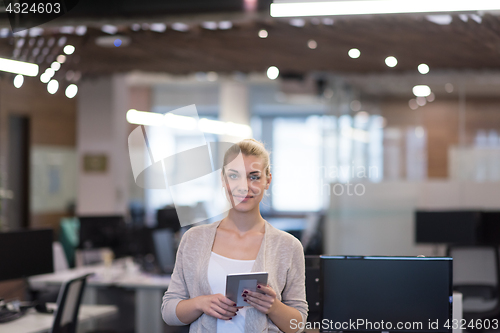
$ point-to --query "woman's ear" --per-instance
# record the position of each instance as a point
(269, 178)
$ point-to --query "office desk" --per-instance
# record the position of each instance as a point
(34, 322)
(148, 289)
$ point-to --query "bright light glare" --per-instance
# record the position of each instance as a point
(366, 7)
(421, 91)
(71, 91)
(69, 49)
(52, 86)
(423, 69)
(263, 33)
(354, 53)
(144, 118)
(273, 72)
(61, 58)
(180, 122)
(18, 81)
(188, 123)
(238, 130)
(55, 66)
(18, 67)
(391, 61)
(50, 72)
(45, 77)
(312, 44)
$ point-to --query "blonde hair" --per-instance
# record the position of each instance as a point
(250, 147)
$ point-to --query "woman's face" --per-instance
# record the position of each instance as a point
(245, 182)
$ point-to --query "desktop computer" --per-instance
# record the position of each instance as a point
(396, 294)
(24, 253)
(102, 232)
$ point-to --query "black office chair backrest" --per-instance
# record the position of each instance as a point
(68, 305)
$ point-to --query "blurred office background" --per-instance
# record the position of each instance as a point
(358, 146)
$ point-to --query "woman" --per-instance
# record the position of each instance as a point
(242, 242)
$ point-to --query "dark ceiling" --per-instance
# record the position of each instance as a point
(412, 40)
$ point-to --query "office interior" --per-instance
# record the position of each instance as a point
(383, 128)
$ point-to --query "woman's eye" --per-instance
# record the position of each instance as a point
(233, 176)
(254, 177)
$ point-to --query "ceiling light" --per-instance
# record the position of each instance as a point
(327, 21)
(109, 29)
(312, 44)
(69, 49)
(263, 33)
(355, 105)
(367, 7)
(50, 72)
(421, 91)
(18, 67)
(52, 86)
(448, 87)
(297, 23)
(178, 26)
(61, 58)
(180, 122)
(476, 18)
(71, 90)
(210, 25)
(144, 118)
(18, 81)
(354, 53)
(421, 101)
(136, 27)
(45, 78)
(423, 69)
(225, 25)
(212, 126)
(440, 19)
(66, 29)
(55, 66)
(81, 30)
(112, 41)
(273, 72)
(60, 42)
(391, 61)
(158, 27)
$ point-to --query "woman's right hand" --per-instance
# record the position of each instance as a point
(218, 306)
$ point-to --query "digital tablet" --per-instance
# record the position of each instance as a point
(236, 283)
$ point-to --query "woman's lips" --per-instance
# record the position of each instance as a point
(243, 199)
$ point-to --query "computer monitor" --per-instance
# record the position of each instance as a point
(396, 294)
(25, 253)
(101, 231)
(163, 240)
(168, 218)
(448, 227)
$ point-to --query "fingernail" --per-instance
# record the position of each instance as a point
(244, 295)
(234, 304)
(245, 300)
(237, 310)
(230, 318)
(258, 286)
(245, 292)
(235, 314)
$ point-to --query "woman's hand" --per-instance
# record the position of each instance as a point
(265, 303)
(218, 306)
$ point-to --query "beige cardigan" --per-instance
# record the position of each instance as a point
(280, 254)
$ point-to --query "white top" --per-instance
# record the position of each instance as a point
(218, 268)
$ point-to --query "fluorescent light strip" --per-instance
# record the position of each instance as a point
(367, 7)
(18, 67)
(188, 123)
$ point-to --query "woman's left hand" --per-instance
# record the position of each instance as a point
(265, 303)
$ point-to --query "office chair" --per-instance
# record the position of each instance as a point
(476, 274)
(68, 305)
